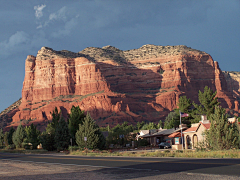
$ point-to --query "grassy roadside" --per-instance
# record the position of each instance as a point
(147, 153)
(37, 151)
(166, 153)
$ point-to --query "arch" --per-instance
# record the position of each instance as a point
(188, 139)
(195, 141)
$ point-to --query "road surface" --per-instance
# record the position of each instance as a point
(220, 167)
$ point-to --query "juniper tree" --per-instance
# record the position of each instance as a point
(120, 134)
(18, 136)
(10, 135)
(5, 138)
(160, 124)
(55, 117)
(75, 118)
(1, 138)
(140, 125)
(149, 126)
(32, 136)
(172, 120)
(91, 131)
(47, 138)
(62, 137)
(222, 134)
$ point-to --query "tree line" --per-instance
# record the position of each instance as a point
(60, 134)
(222, 133)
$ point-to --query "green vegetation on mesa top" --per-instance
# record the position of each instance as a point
(112, 53)
(144, 52)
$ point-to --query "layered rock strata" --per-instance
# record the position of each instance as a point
(114, 86)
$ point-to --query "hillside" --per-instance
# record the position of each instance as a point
(114, 86)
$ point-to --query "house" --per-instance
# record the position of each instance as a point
(177, 138)
(195, 134)
(155, 136)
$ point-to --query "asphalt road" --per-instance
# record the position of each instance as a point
(230, 167)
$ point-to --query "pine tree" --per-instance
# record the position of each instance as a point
(160, 124)
(6, 139)
(10, 135)
(222, 134)
(18, 136)
(75, 118)
(184, 104)
(102, 140)
(1, 138)
(62, 137)
(140, 125)
(90, 130)
(32, 136)
(208, 101)
(172, 120)
(55, 117)
(47, 138)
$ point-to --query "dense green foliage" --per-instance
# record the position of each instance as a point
(184, 104)
(140, 125)
(222, 134)
(47, 138)
(75, 118)
(55, 118)
(120, 134)
(1, 138)
(32, 136)
(172, 120)
(10, 135)
(5, 138)
(91, 131)
(62, 136)
(208, 101)
(18, 136)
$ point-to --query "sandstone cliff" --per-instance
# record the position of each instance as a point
(115, 85)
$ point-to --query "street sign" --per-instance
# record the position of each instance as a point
(85, 138)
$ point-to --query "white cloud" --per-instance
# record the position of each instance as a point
(22, 42)
(38, 10)
(59, 15)
(15, 42)
(67, 28)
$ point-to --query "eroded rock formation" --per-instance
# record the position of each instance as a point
(115, 85)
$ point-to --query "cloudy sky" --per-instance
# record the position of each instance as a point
(212, 26)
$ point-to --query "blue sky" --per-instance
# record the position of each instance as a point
(212, 26)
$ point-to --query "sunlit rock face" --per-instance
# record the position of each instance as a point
(115, 86)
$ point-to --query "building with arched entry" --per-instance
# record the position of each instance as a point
(195, 134)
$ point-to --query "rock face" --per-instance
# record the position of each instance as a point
(233, 84)
(114, 86)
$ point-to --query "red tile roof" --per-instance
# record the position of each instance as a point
(175, 134)
(191, 129)
(207, 125)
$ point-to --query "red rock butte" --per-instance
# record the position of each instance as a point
(115, 86)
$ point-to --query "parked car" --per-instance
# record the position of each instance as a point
(164, 145)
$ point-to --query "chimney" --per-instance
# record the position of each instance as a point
(204, 119)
